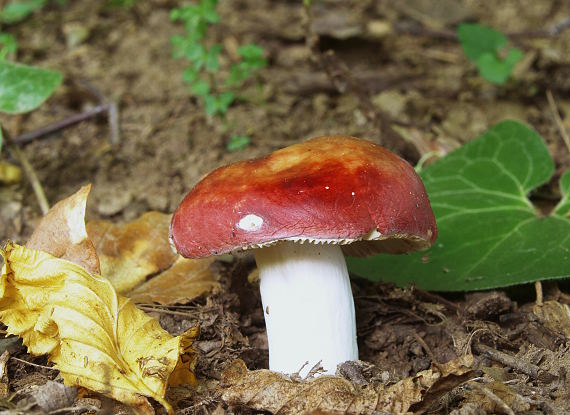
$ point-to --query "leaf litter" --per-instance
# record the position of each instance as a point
(393, 323)
(400, 332)
(136, 257)
(57, 303)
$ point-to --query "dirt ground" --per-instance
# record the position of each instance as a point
(396, 64)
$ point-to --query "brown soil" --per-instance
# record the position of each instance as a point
(397, 64)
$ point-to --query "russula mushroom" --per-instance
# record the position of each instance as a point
(299, 209)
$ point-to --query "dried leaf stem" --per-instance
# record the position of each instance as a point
(493, 398)
(508, 360)
(33, 364)
(558, 119)
(29, 171)
(110, 108)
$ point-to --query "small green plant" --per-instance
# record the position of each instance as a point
(238, 142)
(23, 88)
(487, 48)
(17, 10)
(122, 3)
(8, 45)
(203, 72)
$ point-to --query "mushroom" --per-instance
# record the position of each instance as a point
(299, 209)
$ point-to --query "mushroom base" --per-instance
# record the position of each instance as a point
(308, 306)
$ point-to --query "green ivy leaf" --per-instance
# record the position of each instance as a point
(225, 99)
(17, 10)
(189, 75)
(235, 77)
(200, 88)
(496, 70)
(218, 104)
(24, 88)
(477, 40)
(250, 52)
(195, 53)
(178, 45)
(8, 44)
(208, 11)
(483, 45)
(490, 234)
(238, 142)
(212, 61)
(210, 105)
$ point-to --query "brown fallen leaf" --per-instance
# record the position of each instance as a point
(497, 398)
(263, 390)
(183, 281)
(62, 233)
(53, 396)
(555, 316)
(130, 253)
(4, 380)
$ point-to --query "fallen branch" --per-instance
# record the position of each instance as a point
(508, 360)
(110, 108)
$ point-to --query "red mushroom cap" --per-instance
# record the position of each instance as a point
(326, 190)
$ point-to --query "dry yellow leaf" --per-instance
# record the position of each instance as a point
(263, 390)
(95, 337)
(129, 253)
(62, 233)
(9, 173)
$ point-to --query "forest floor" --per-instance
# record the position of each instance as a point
(397, 64)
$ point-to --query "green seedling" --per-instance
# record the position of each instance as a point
(487, 48)
(23, 88)
(8, 46)
(203, 72)
(490, 233)
(122, 3)
(17, 10)
(237, 142)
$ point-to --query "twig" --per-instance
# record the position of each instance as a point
(539, 297)
(113, 113)
(427, 349)
(558, 119)
(33, 364)
(163, 311)
(436, 299)
(110, 108)
(29, 171)
(493, 398)
(508, 360)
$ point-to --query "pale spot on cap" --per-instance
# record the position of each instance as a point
(250, 223)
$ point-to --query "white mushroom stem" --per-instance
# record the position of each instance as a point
(308, 306)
